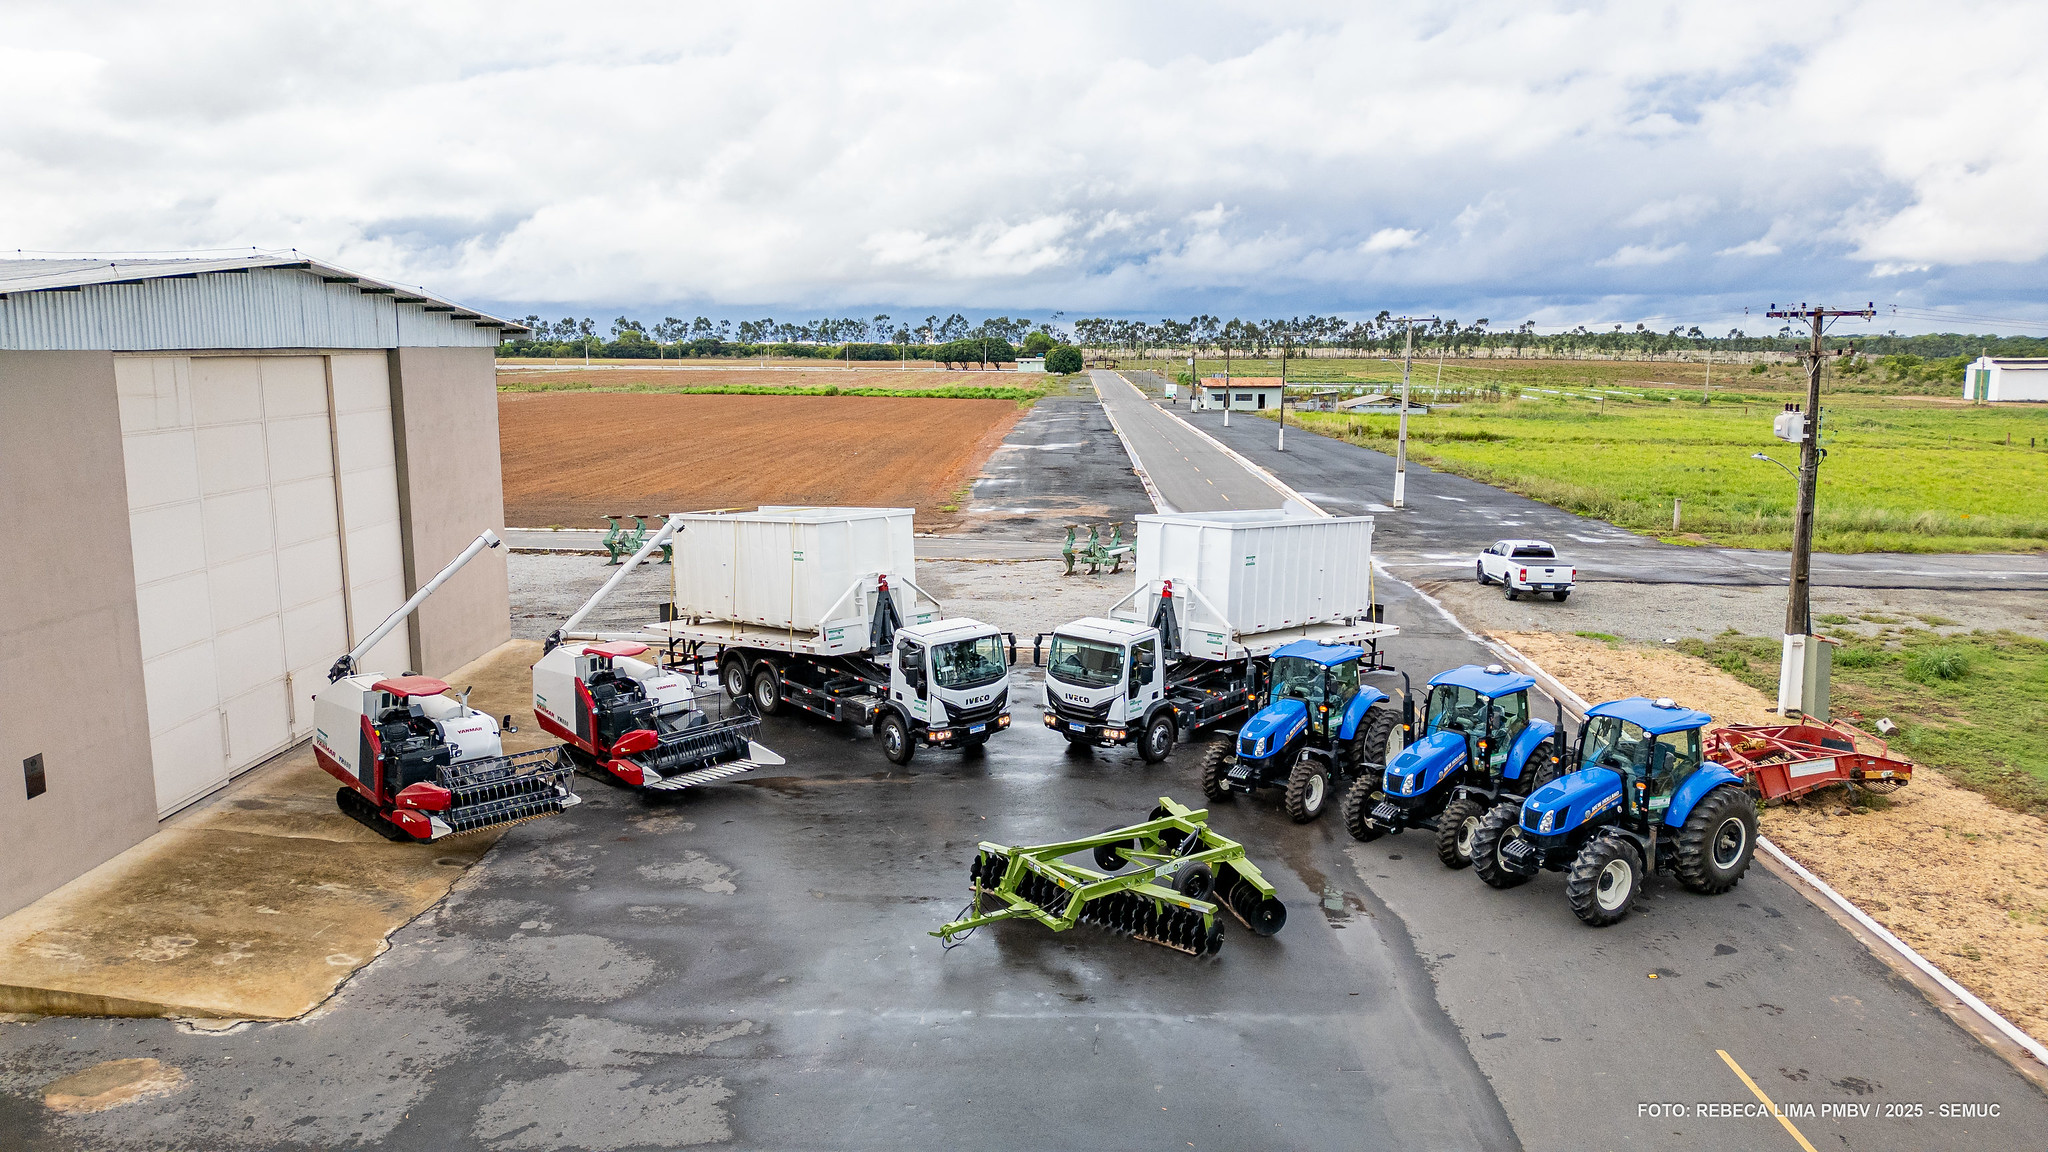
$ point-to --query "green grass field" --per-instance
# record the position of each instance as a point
(1972, 705)
(1903, 474)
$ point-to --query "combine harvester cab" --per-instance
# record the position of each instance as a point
(419, 764)
(1643, 797)
(818, 609)
(1188, 650)
(1479, 746)
(634, 720)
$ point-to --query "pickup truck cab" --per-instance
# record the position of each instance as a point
(1530, 566)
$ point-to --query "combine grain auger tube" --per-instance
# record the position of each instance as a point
(1185, 873)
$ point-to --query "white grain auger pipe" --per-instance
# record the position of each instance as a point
(667, 533)
(346, 666)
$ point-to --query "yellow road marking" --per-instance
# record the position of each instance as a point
(1759, 1093)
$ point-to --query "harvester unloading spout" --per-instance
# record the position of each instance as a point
(418, 763)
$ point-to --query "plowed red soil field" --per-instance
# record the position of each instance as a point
(572, 457)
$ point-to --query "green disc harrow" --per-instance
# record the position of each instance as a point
(1161, 881)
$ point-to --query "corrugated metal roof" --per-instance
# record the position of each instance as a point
(243, 302)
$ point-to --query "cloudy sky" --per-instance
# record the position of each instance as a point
(1514, 160)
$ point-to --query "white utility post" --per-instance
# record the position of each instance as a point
(1401, 444)
(1283, 396)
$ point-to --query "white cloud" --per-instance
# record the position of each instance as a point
(809, 156)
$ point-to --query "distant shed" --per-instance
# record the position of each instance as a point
(1992, 378)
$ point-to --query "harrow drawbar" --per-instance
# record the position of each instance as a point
(1180, 874)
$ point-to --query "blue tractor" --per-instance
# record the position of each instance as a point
(1317, 726)
(1479, 746)
(1642, 797)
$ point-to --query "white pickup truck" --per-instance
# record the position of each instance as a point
(1530, 566)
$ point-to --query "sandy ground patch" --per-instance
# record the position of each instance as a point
(570, 458)
(1961, 880)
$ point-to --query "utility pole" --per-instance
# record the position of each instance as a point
(1799, 605)
(1283, 396)
(1401, 444)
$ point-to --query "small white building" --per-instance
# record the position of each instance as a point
(1243, 393)
(1990, 378)
(1031, 364)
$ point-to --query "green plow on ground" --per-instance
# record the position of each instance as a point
(1161, 881)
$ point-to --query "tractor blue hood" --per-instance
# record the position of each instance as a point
(1272, 728)
(1571, 799)
(1420, 765)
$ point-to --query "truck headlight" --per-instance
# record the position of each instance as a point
(1051, 721)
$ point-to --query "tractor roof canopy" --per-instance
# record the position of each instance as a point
(1653, 716)
(1489, 680)
(1328, 655)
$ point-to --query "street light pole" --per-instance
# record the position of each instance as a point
(1401, 442)
(1283, 396)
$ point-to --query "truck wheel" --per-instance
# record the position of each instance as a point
(1455, 831)
(1215, 770)
(1479, 566)
(1381, 737)
(1719, 837)
(1157, 743)
(1605, 879)
(733, 676)
(1360, 799)
(767, 689)
(895, 737)
(1560, 596)
(1308, 789)
(1495, 828)
(1509, 589)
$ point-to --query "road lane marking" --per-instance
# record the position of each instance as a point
(1759, 1093)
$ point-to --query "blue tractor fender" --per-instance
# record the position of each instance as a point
(1518, 753)
(1422, 764)
(1571, 800)
(1354, 712)
(1709, 777)
(1270, 730)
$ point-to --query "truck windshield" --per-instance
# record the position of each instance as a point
(968, 663)
(1298, 678)
(1612, 742)
(1085, 663)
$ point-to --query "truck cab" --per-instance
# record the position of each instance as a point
(949, 687)
(1530, 566)
(1106, 682)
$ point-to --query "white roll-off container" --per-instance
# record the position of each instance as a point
(1247, 582)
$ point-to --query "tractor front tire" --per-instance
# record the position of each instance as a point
(767, 689)
(1360, 799)
(1216, 771)
(1456, 830)
(733, 677)
(1157, 742)
(1308, 789)
(1380, 733)
(1495, 827)
(1717, 842)
(895, 737)
(1605, 879)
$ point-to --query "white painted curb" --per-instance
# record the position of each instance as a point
(1271, 480)
(1159, 503)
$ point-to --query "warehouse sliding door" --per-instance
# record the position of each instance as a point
(238, 521)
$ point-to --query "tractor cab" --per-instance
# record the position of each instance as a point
(1318, 721)
(1642, 797)
(1478, 743)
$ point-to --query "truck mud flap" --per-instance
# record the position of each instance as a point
(506, 790)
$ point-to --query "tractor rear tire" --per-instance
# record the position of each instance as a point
(1360, 799)
(895, 737)
(1156, 743)
(1382, 726)
(1456, 830)
(1216, 771)
(767, 689)
(1537, 770)
(733, 677)
(1495, 827)
(1605, 879)
(1718, 840)
(1308, 789)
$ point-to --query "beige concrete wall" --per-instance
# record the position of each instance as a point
(444, 416)
(70, 652)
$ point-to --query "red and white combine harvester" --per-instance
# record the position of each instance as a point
(418, 763)
(633, 719)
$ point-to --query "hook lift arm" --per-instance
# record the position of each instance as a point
(667, 533)
(346, 666)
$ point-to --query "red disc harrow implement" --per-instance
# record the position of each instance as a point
(1782, 761)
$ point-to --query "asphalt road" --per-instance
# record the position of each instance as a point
(1189, 473)
(1448, 519)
